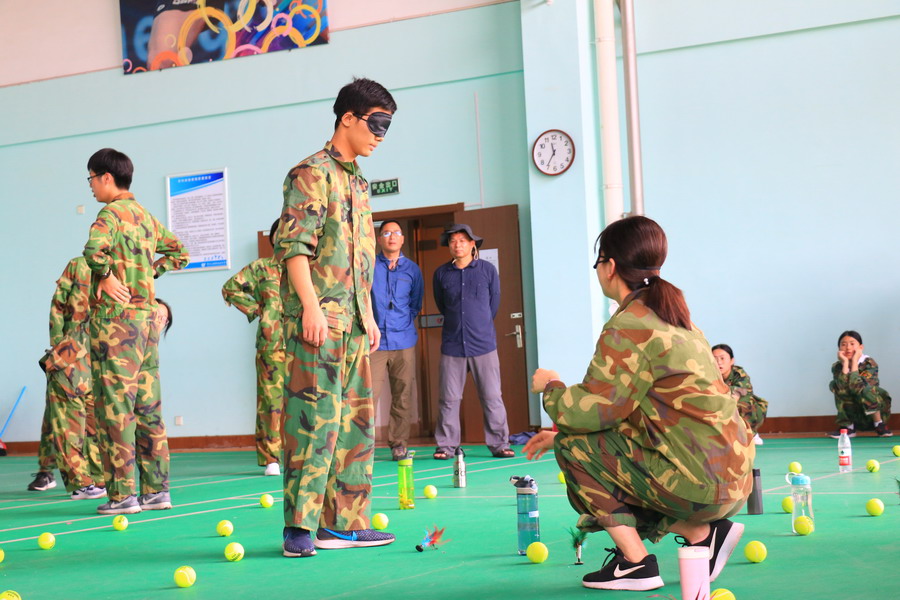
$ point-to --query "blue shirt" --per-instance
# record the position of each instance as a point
(396, 300)
(468, 298)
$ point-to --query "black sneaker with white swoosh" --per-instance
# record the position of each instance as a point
(723, 538)
(620, 574)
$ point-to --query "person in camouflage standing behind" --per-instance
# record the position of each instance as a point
(752, 407)
(121, 248)
(256, 291)
(651, 441)
(68, 431)
(326, 241)
(859, 398)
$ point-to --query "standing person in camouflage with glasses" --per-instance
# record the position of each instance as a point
(121, 249)
(326, 241)
(68, 431)
(651, 441)
(255, 290)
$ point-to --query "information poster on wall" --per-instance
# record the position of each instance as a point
(198, 215)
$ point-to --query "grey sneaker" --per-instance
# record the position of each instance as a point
(43, 480)
(126, 506)
(332, 539)
(155, 501)
(89, 492)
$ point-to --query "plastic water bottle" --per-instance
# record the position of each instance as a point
(527, 509)
(754, 502)
(845, 453)
(459, 469)
(801, 494)
(406, 487)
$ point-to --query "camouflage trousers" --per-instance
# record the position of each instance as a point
(608, 487)
(856, 410)
(69, 437)
(125, 360)
(328, 430)
(269, 401)
(753, 410)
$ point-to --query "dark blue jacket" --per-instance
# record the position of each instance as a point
(468, 298)
(396, 300)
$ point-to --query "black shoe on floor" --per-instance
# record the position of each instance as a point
(851, 432)
(882, 430)
(619, 574)
(43, 480)
(723, 538)
(297, 542)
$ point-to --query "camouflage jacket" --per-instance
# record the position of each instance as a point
(125, 238)
(862, 385)
(70, 307)
(326, 216)
(658, 385)
(255, 290)
(739, 382)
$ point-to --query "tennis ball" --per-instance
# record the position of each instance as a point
(755, 552)
(266, 500)
(787, 504)
(380, 521)
(896, 450)
(721, 594)
(120, 523)
(10, 595)
(225, 528)
(537, 552)
(873, 465)
(562, 477)
(46, 540)
(430, 492)
(234, 552)
(875, 507)
(2, 555)
(795, 467)
(804, 525)
(185, 576)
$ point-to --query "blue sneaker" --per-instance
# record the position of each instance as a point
(332, 539)
(297, 542)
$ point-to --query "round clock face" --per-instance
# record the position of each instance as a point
(553, 152)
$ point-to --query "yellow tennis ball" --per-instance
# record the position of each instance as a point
(185, 576)
(380, 521)
(873, 465)
(804, 525)
(46, 540)
(430, 492)
(266, 500)
(562, 477)
(787, 504)
(537, 552)
(721, 594)
(120, 523)
(234, 552)
(225, 528)
(755, 551)
(2, 555)
(896, 450)
(875, 507)
(10, 595)
(795, 467)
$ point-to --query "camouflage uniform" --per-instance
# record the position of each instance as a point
(328, 420)
(857, 395)
(124, 239)
(68, 432)
(256, 291)
(651, 436)
(752, 407)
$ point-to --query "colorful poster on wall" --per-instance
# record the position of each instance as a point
(198, 215)
(159, 34)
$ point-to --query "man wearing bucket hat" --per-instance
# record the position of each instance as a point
(467, 293)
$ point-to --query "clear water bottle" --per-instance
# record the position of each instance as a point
(406, 490)
(801, 494)
(527, 509)
(845, 453)
(459, 469)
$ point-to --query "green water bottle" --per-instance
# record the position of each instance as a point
(406, 489)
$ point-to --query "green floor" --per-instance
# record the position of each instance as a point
(850, 555)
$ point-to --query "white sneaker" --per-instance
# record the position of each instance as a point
(273, 469)
(757, 440)
(88, 492)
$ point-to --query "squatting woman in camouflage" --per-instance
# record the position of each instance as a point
(650, 441)
(750, 406)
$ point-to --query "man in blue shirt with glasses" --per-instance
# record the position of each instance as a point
(396, 300)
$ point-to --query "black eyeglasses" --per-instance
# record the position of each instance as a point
(377, 122)
(600, 259)
(92, 176)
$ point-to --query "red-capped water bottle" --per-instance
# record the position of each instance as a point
(845, 453)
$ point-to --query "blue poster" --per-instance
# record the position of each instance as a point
(198, 215)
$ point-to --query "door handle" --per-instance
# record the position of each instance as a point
(518, 334)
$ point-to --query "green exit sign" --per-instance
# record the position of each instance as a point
(385, 187)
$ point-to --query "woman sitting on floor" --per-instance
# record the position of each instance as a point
(854, 383)
(752, 407)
